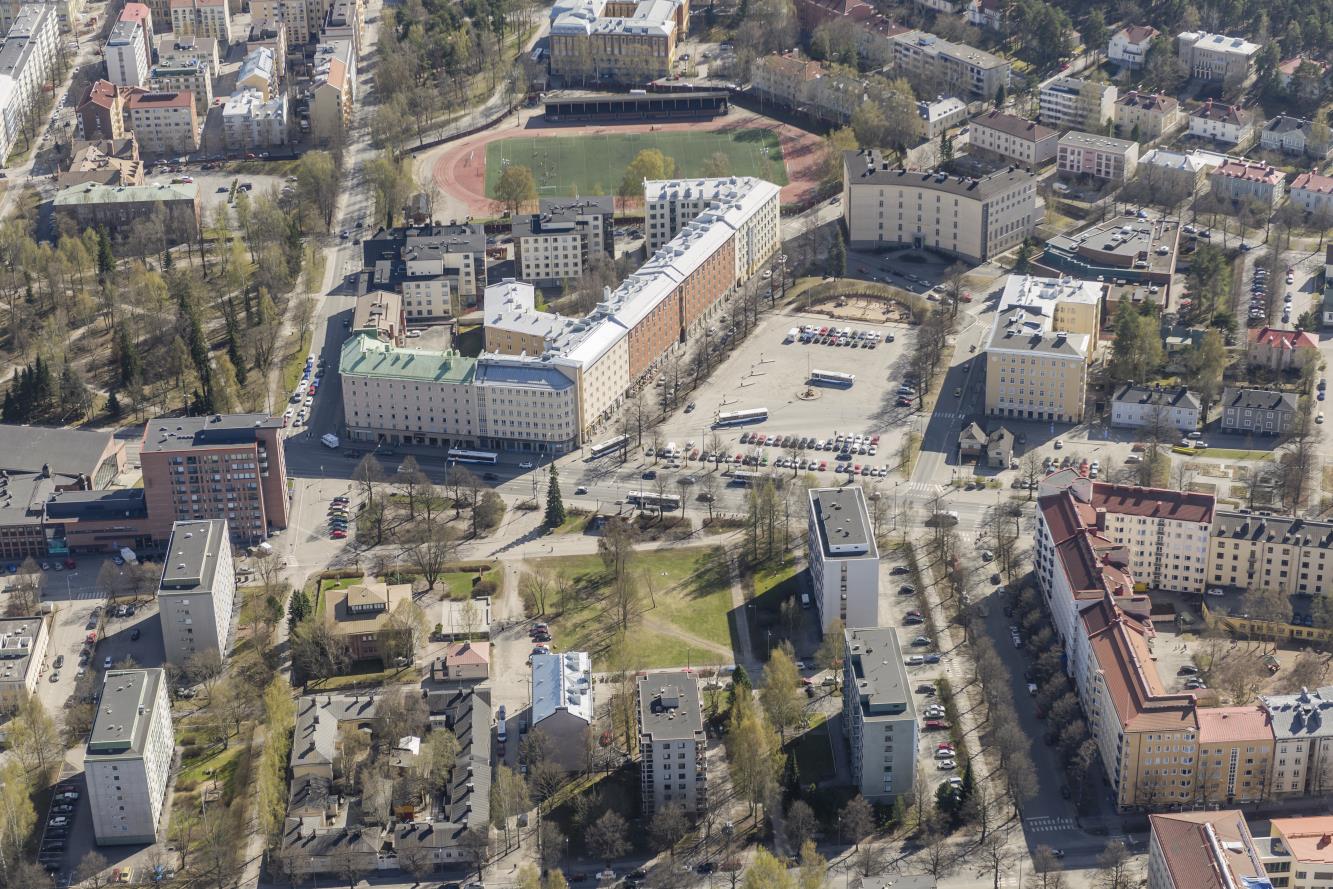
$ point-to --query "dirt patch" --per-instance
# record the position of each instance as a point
(867, 309)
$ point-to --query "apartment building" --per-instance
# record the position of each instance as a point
(380, 314)
(249, 120)
(1243, 181)
(1129, 46)
(23, 644)
(1101, 157)
(956, 68)
(359, 617)
(878, 714)
(439, 269)
(673, 751)
(1217, 57)
(101, 112)
(26, 59)
(1259, 411)
(1282, 554)
(1313, 193)
(1296, 854)
(1292, 135)
(1204, 850)
(1136, 406)
(939, 116)
(139, 12)
(805, 85)
(1167, 533)
(197, 592)
(1236, 746)
(1303, 741)
(258, 72)
(1074, 103)
(1144, 117)
(103, 162)
(66, 13)
(843, 557)
(563, 705)
(344, 21)
(187, 77)
(164, 123)
(1034, 368)
(1220, 122)
(205, 18)
(1184, 170)
(127, 53)
(750, 208)
(1287, 69)
(513, 326)
(127, 760)
(334, 91)
(973, 219)
(557, 243)
(301, 19)
(617, 41)
(116, 207)
(270, 34)
(228, 466)
(1013, 138)
(1280, 350)
(175, 51)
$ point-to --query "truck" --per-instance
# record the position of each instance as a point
(792, 335)
(329, 440)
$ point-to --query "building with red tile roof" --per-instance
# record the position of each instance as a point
(1235, 754)
(1204, 850)
(1313, 193)
(1278, 349)
(1245, 181)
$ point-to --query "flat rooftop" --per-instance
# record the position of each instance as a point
(169, 434)
(669, 706)
(191, 562)
(18, 639)
(876, 661)
(29, 448)
(124, 712)
(843, 523)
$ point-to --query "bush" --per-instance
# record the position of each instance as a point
(483, 588)
(188, 740)
(185, 785)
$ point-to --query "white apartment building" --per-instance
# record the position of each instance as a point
(1135, 406)
(190, 77)
(126, 54)
(843, 558)
(174, 51)
(974, 219)
(26, 58)
(559, 241)
(878, 713)
(1245, 181)
(259, 72)
(673, 751)
(1303, 742)
(939, 115)
(66, 11)
(1013, 138)
(1313, 193)
(164, 123)
(1101, 157)
(197, 591)
(1166, 533)
(959, 69)
(750, 207)
(1215, 56)
(205, 18)
(563, 705)
(249, 120)
(334, 91)
(128, 757)
(1220, 122)
(23, 644)
(1129, 46)
(1073, 103)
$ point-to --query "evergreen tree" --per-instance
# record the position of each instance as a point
(75, 397)
(999, 97)
(9, 411)
(946, 149)
(836, 266)
(969, 786)
(297, 609)
(555, 504)
(128, 358)
(113, 405)
(106, 260)
(43, 387)
(167, 262)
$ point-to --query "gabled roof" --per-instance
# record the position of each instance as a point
(1208, 850)
(1136, 34)
(1219, 725)
(1313, 182)
(469, 653)
(1180, 506)
(1277, 338)
(1124, 661)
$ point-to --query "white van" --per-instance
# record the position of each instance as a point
(329, 440)
(805, 600)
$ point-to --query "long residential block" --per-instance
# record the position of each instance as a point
(127, 759)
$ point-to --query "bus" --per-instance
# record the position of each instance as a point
(610, 446)
(649, 500)
(832, 377)
(737, 418)
(744, 478)
(458, 455)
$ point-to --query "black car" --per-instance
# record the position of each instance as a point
(490, 476)
(704, 868)
(60, 661)
(134, 634)
(650, 474)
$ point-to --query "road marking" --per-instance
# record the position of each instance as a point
(1048, 823)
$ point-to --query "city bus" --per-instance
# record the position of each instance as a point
(649, 500)
(737, 418)
(832, 377)
(458, 455)
(744, 478)
(610, 446)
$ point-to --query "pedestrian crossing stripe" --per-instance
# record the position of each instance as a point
(1046, 823)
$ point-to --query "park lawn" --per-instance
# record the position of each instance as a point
(223, 764)
(688, 588)
(1234, 454)
(575, 523)
(368, 677)
(594, 164)
(457, 583)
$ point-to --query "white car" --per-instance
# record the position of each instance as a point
(1216, 591)
(526, 464)
(947, 764)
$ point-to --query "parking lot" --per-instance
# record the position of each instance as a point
(773, 370)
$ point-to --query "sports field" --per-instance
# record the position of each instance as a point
(594, 164)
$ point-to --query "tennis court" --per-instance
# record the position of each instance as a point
(595, 163)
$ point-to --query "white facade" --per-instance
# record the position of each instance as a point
(206, 18)
(1102, 157)
(1313, 193)
(1137, 406)
(1072, 103)
(26, 58)
(1129, 46)
(879, 716)
(1165, 552)
(673, 751)
(23, 644)
(127, 54)
(1222, 123)
(128, 757)
(1024, 141)
(843, 557)
(549, 256)
(751, 207)
(1216, 56)
(248, 120)
(197, 592)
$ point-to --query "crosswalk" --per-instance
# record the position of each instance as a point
(1048, 823)
(919, 489)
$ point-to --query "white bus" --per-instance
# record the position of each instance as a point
(744, 478)
(737, 418)
(649, 500)
(610, 446)
(458, 455)
(832, 377)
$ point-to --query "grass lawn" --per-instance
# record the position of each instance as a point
(1232, 454)
(575, 523)
(688, 588)
(365, 674)
(458, 583)
(222, 764)
(595, 164)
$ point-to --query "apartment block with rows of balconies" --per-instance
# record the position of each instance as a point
(673, 750)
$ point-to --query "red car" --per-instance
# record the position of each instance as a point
(936, 724)
(823, 465)
(338, 535)
(874, 439)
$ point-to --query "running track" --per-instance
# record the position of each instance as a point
(460, 171)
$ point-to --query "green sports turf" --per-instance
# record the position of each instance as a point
(594, 164)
